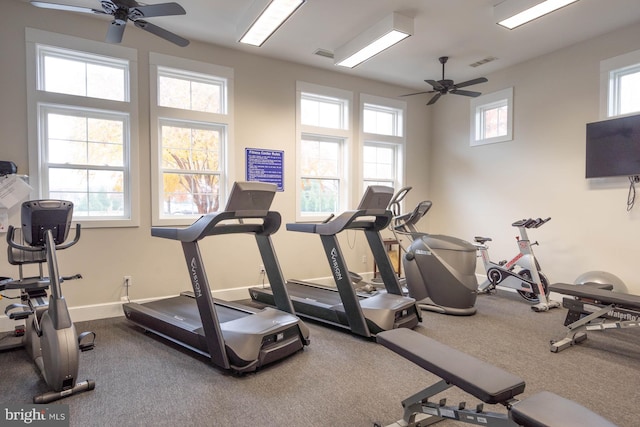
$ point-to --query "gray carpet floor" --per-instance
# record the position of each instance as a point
(340, 379)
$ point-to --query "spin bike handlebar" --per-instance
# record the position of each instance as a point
(531, 223)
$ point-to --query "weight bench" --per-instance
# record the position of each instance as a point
(486, 382)
(593, 308)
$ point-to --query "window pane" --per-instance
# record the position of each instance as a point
(190, 149)
(105, 142)
(379, 162)
(94, 193)
(189, 93)
(319, 158)
(174, 93)
(322, 112)
(84, 75)
(206, 97)
(86, 141)
(191, 162)
(630, 93)
(382, 121)
(319, 196)
(189, 194)
(494, 122)
(64, 76)
(105, 82)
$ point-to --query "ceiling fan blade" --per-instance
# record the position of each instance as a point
(161, 32)
(472, 82)
(115, 32)
(437, 86)
(466, 93)
(434, 99)
(66, 7)
(151, 10)
(418, 93)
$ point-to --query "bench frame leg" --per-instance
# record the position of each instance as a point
(576, 331)
(419, 412)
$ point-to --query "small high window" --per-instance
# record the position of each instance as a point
(492, 118)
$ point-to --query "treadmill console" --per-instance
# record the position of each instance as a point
(376, 197)
(251, 196)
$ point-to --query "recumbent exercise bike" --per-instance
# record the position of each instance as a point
(49, 335)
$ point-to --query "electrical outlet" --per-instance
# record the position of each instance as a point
(364, 259)
(128, 281)
(261, 269)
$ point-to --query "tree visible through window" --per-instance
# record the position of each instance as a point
(191, 168)
(193, 127)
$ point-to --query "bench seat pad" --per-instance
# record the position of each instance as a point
(546, 409)
(602, 295)
(485, 381)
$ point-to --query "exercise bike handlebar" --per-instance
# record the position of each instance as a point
(531, 223)
(38, 248)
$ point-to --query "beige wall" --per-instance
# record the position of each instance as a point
(264, 118)
(482, 190)
(475, 190)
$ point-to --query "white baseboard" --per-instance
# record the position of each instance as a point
(114, 309)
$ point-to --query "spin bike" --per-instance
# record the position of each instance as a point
(49, 335)
(522, 273)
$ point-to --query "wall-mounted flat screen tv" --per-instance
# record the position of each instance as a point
(613, 147)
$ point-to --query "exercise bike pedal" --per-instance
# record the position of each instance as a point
(19, 330)
(22, 314)
(87, 346)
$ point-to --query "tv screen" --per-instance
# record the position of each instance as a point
(613, 147)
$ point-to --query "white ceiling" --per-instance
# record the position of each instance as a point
(464, 30)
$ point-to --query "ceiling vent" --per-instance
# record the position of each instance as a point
(324, 52)
(483, 61)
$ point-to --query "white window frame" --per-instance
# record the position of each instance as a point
(610, 72)
(397, 141)
(344, 134)
(159, 113)
(38, 99)
(486, 102)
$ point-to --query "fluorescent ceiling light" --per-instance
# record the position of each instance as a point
(270, 16)
(513, 13)
(374, 40)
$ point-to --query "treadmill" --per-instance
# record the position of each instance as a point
(235, 337)
(342, 306)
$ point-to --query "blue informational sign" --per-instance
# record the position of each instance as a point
(265, 166)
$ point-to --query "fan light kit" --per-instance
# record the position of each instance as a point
(270, 16)
(513, 13)
(444, 86)
(123, 10)
(374, 40)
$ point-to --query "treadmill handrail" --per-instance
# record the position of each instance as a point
(209, 225)
(346, 220)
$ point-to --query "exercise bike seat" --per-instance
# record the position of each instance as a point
(482, 240)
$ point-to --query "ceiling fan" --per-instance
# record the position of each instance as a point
(444, 86)
(123, 10)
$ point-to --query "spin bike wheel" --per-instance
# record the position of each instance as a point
(532, 297)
